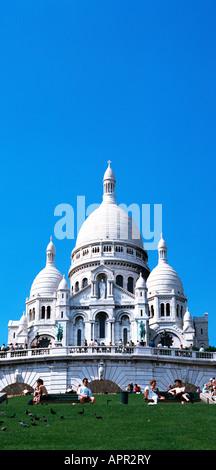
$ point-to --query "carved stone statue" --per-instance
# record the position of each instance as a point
(101, 371)
(102, 289)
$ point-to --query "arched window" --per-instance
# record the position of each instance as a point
(177, 310)
(152, 311)
(77, 287)
(162, 310)
(102, 322)
(79, 337)
(48, 312)
(85, 282)
(43, 313)
(181, 312)
(119, 280)
(125, 335)
(168, 310)
(130, 284)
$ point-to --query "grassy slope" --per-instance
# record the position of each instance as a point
(135, 426)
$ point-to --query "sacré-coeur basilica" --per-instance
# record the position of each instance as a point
(111, 291)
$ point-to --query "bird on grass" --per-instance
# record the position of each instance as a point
(12, 416)
(98, 417)
(4, 429)
(44, 419)
(52, 411)
(61, 417)
(24, 424)
(33, 423)
(36, 418)
(81, 412)
(28, 413)
(3, 413)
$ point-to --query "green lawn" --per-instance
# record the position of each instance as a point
(135, 426)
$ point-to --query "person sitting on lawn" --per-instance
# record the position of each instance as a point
(40, 393)
(85, 394)
(179, 392)
(152, 393)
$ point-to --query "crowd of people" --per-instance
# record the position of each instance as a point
(13, 347)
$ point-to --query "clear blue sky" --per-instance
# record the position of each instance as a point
(85, 81)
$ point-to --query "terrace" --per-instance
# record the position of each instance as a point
(111, 351)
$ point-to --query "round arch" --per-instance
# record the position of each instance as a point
(17, 388)
(104, 386)
(167, 338)
(42, 340)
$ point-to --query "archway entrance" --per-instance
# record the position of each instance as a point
(42, 341)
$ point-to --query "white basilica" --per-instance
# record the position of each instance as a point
(112, 291)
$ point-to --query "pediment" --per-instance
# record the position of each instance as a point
(81, 297)
(122, 296)
(102, 269)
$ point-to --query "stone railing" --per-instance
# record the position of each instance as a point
(143, 351)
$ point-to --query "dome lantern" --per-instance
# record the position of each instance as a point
(50, 251)
(109, 185)
(162, 251)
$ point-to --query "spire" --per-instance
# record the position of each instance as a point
(162, 251)
(109, 184)
(50, 251)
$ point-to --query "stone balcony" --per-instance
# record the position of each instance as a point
(109, 351)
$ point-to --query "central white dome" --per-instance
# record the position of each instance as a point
(109, 222)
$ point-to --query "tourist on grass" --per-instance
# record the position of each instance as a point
(152, 393)
(179, 392)
(40, 393)
(85, 394)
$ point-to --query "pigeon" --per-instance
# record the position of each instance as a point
(36, 418)
(4, 429)
(44, 419)
(23, 424)
(1, 422)
(98, 417)
(33, 423)
(81, 412)
(3, 413)
(52, 411)
(12, 416)
(61, 417)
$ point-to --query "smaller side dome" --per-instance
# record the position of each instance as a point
(187, 317)
(140, 283)
(63, 285)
